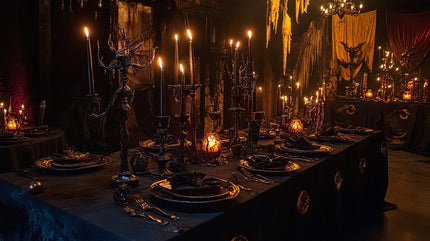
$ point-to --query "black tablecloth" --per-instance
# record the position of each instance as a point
(81, 207)
(21, 155)
(405, 125)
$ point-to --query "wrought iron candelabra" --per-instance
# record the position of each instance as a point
(120, 99)
(244, 80)
(186, 90)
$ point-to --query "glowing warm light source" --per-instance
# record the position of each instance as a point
(260, 88)
(237, 44)
(87, 32)
(12, 125)
(22, 106)
(211, 145)
(160, 63)
(295, 127)
(378, 79)
(1, 105)
(249, 34)
(231, 42)
(181, 67)
(407, 95)
(279, 86)
(189, 35)
(297, 84)
(369, 94)
(306, 100)
(379, 47)
(176, 37)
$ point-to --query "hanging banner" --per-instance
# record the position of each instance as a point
(353, 34)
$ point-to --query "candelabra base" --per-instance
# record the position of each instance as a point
(125, 178)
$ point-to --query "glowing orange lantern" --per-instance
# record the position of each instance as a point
(295, 127)
(407, 95)
(12, 125)
(211, 145)
(369, 94)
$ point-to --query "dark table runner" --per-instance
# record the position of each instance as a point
(405, 125)
(349, 184)
(21, 155)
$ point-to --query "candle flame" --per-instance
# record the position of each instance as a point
(87, 32)
(231, 42)
(160, 62)
(22, 106)
(1, 104)
(189, 35)
(176, 37)
(237, 44)
(182, 68)
(298, 84)
(249, 34)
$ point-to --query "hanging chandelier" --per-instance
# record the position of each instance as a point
(341, 7)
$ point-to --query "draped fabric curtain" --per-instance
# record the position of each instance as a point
(353, 31)
(409, 36)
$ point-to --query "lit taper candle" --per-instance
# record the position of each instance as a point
(160, 62)
(90, 64)
(191, 56)
(176, 59)
(249, 52)
(181, 103)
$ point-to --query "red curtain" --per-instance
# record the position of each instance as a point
(409, 34)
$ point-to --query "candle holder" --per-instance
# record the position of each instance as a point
(254, 130)
(236, 146)
(191, 90)
(160, 138)
(120, 100)
(215, 116)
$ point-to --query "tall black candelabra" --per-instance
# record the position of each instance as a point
(191, 89)
(121, 99)
(244, 78)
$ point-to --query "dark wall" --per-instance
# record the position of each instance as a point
(19, 53)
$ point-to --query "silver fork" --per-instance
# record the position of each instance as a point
(133, 213)
(145, 206)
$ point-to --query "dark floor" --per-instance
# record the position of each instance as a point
(409, 189)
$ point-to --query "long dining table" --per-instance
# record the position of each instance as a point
(318, 200)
